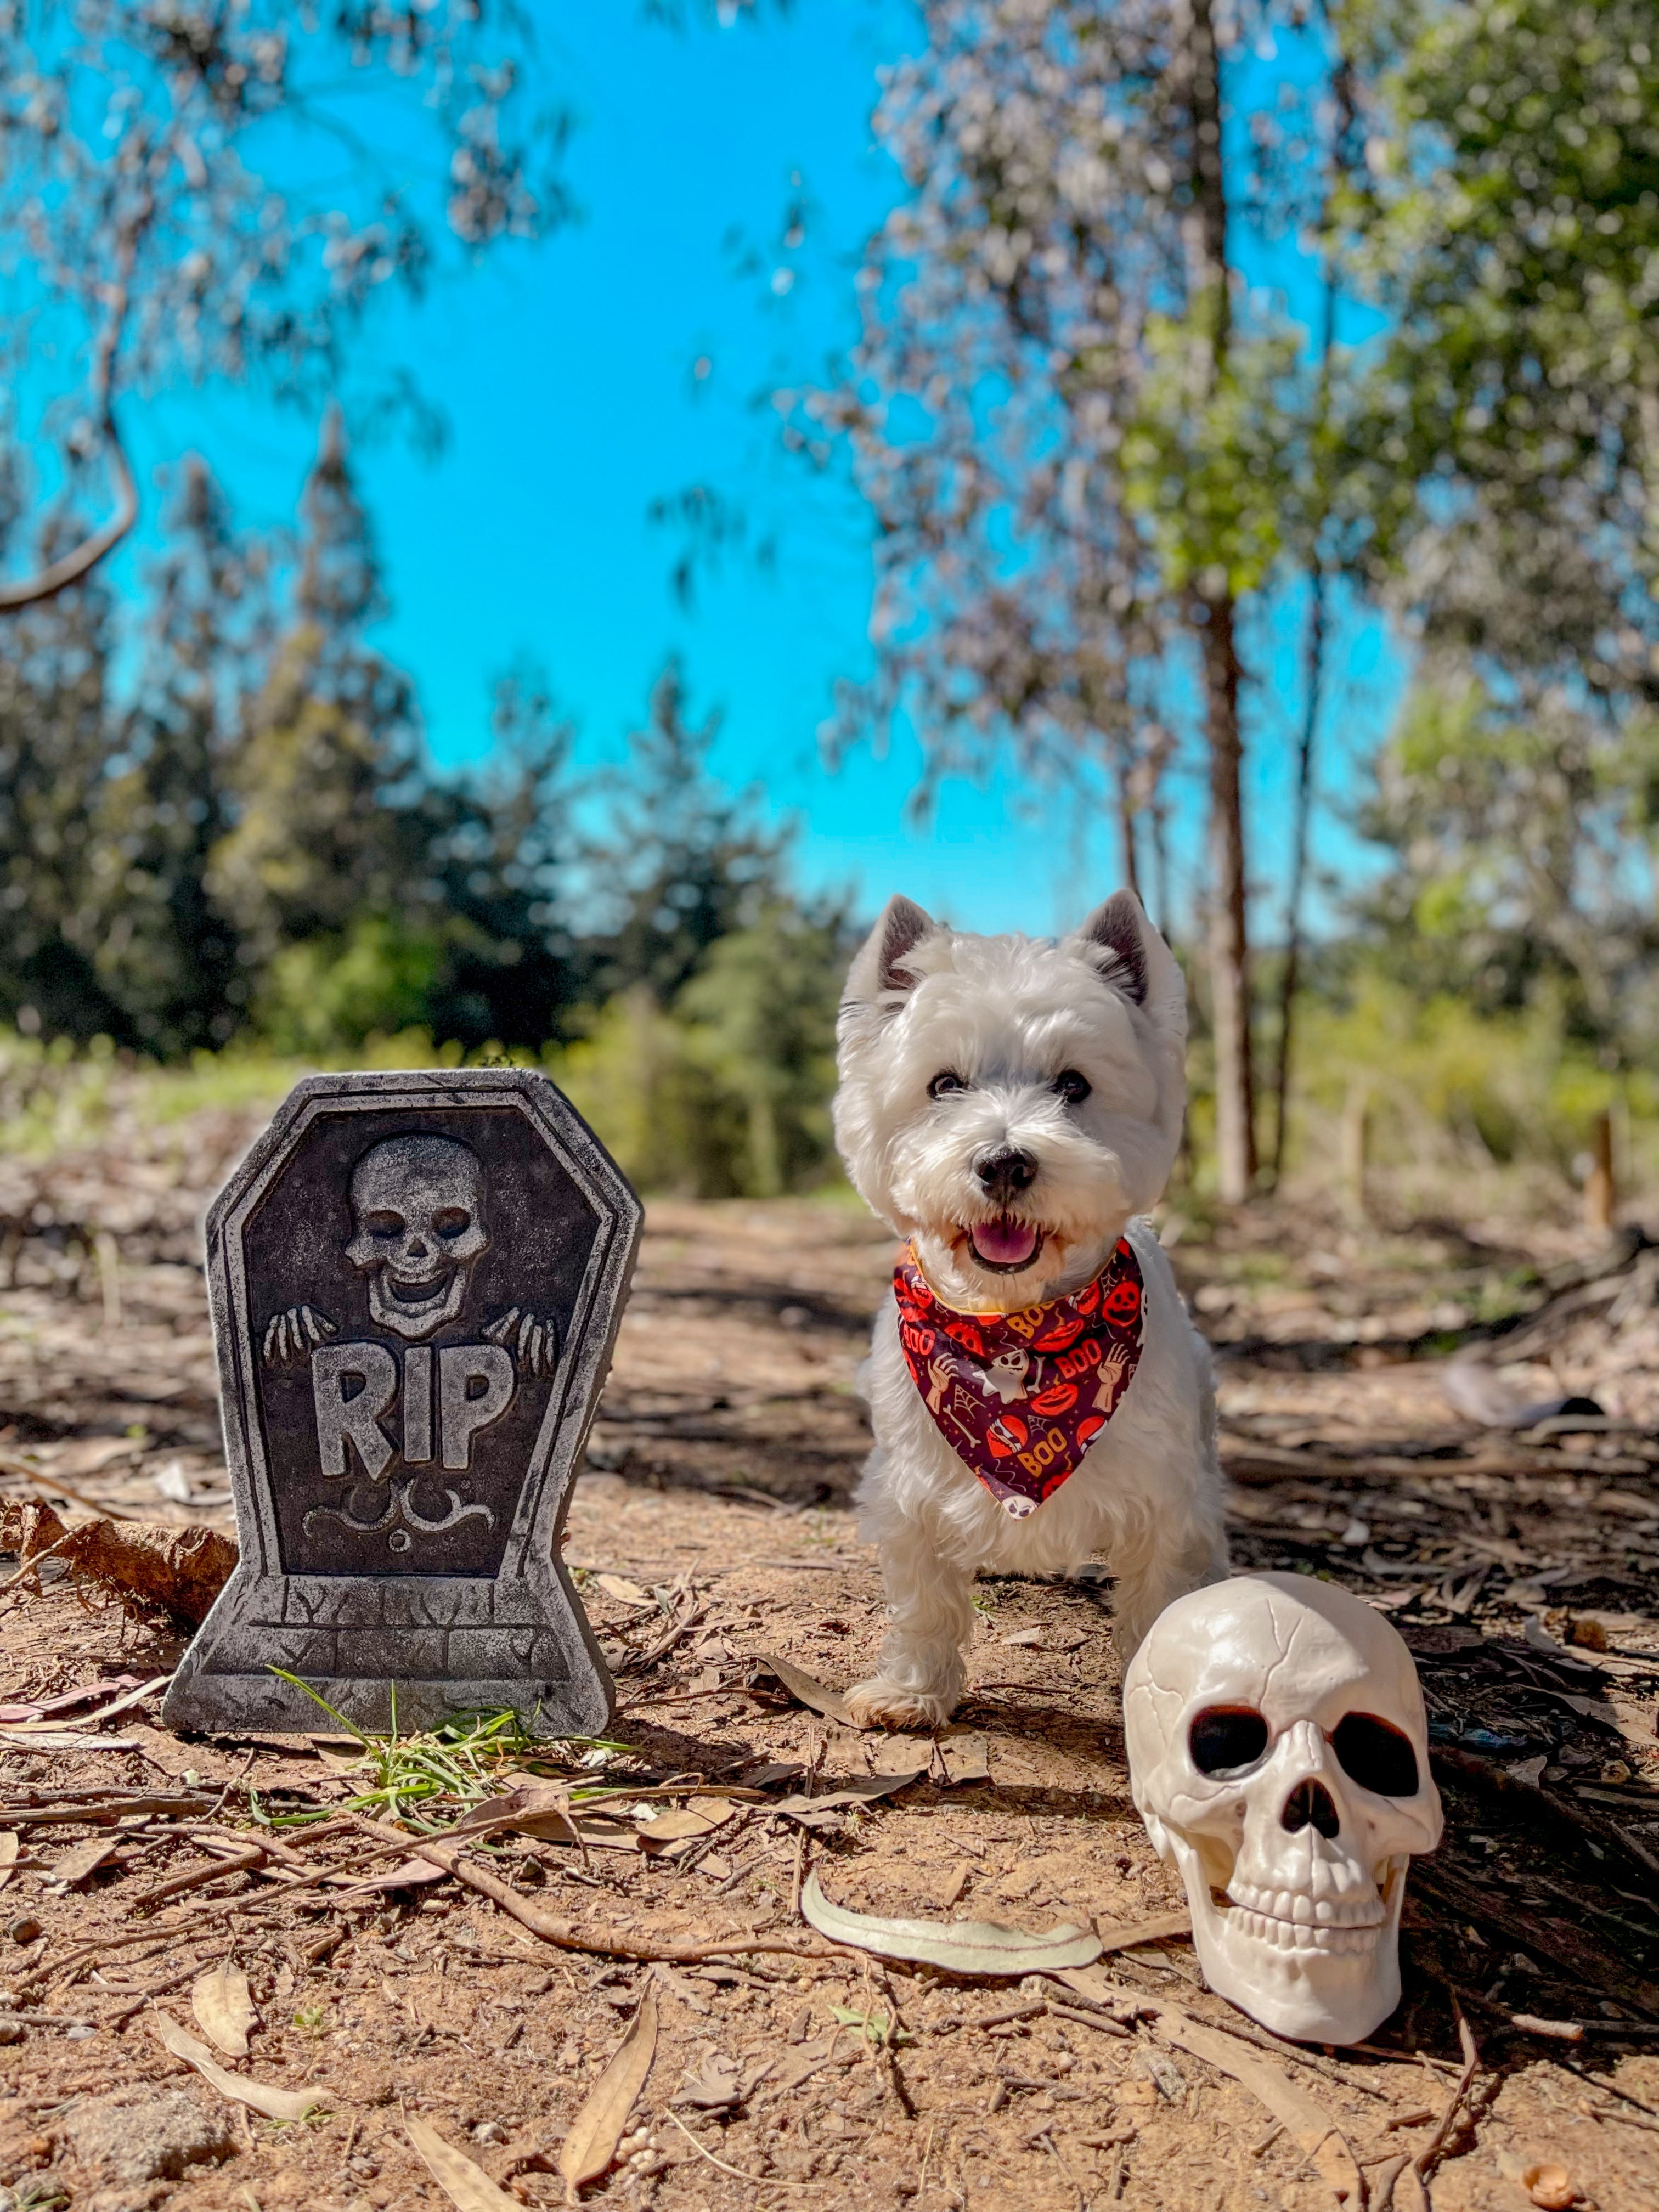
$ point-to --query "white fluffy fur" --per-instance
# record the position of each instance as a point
(1007, 1015)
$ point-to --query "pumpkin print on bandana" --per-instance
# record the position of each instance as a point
(1020, 1397)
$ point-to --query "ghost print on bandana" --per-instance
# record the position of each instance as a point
(1020, 1397)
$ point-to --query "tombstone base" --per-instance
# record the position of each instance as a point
(449, 1645)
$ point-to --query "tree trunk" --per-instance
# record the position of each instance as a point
(1229, 940)
(1339, 159)
(1303, 813)
(1209, 278)
(1126, 828)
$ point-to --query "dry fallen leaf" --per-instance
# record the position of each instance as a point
(850, 1793)
(591, 2143)
(224, 2010)
(806, 1690)
(260, 2096)
(8, 1854)
(623, 1590)
(461, 2181)
(80, 1863)
(715, 2086)
(966, 1759)
(691, 1821)
(1162, 1928)
(963, 1947)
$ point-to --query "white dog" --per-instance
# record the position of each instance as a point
(1037, 1391)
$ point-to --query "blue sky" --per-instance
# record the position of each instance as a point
(565, 372)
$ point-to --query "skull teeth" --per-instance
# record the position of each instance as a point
(1306, 1910)
(1294, 1935)
(1289, 1921)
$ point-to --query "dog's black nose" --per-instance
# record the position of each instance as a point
(1004, 1174)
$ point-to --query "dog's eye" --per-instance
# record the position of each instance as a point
(1073, 1087)
(945, 1083)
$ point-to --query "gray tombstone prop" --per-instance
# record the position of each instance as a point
(417, 1281)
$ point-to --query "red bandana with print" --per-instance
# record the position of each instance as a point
(1020, 1397)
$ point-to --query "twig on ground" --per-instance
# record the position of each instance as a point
(1463, 1766)
(1434, 2151)
(759, 2181)
(553, 1930)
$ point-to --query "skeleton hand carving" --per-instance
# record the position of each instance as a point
(294, 1332)
(533, 1339)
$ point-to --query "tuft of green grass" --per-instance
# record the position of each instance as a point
(428, 1780)
(876, 2027)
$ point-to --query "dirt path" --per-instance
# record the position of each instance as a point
(1523, 1569)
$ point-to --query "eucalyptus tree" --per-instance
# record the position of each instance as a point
(1507, 450)
(192, 192)
(1080, 458)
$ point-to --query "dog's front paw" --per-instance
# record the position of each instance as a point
(881, 1703)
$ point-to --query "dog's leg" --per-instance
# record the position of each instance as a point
(1154, 1575)
(919, 1676)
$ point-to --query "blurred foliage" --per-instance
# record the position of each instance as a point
(1465, 1108)
(248, 849)
(1522, 851)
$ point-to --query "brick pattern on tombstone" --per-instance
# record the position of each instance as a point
(416, 1282)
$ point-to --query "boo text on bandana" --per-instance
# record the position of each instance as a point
(1019, 1397)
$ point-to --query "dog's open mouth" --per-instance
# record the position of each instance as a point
(1005, 1245)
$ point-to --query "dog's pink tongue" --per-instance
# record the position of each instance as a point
(1005, 1243)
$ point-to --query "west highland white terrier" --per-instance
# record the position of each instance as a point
(1011, 1108)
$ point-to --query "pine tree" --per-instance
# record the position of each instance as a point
(166, 952)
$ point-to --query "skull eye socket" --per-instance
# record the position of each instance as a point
(1226, 1739)
(452, 1220)
(1376, 1756)
(383, 1222)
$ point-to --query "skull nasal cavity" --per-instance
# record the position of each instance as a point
(1310, 1804)
(1006, 1174)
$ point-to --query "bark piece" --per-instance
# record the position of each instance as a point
(1302, 2116)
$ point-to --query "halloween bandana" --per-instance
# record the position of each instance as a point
(1020, 1397)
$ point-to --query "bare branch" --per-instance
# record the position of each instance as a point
(58, 575)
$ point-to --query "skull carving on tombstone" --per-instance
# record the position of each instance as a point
(1279, 1755)
(417, 1205)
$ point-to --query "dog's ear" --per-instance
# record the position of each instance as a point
(1122, 943)
(1119, 927)
(881, 963)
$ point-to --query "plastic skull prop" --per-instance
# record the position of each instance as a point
(417, 1205)
(1279, 1754)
